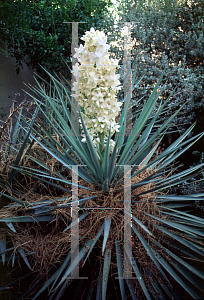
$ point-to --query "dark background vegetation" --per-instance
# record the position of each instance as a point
(170, 35)
(35, 32)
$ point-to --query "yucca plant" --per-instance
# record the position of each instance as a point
(151, 229)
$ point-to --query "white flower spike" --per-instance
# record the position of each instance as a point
(97, 85)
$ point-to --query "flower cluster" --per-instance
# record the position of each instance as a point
(96, 87)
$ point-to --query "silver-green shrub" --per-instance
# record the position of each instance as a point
(171, 37)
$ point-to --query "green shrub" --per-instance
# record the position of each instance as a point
(171, 37)
(35, 33)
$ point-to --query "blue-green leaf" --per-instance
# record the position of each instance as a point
(94, 242)
(105, 161)
(167, 267)
(139, 223)
(3, 248)
(181, 240)
(106, 233)
(149, 252)
(106, 268)
(138, 275)
(76, 262)
(29, 219)
(10, 225)
(131, 288)
(120, 269)
(76, 221)
(93, 154)
(22, 253)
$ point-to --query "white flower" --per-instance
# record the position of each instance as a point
(76, 70)
(78, 51)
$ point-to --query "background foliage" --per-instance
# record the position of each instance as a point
(171, 37)
(169, 34)
(35, 33)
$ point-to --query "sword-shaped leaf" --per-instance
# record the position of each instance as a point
(61, 269)
(92, 150)
(94, 242)
(187, 275)
(99, 286)
(138, 275)
(29, 219)
(120, 270)
(194, 218)
(76, 262)
(22, 253)
(14, 199)
(62, 290)
(105, 161)
(46, 285)
(10, 225)
(184, 228)
(112, 162)
(106, 233)
(149, 252)
(13, 257)
(19, 156)
(139, 223)
(131, 288)
(181, 240)
(147, 110)
(182, 262)
(2, 249)
(76, 221)
(106, 267)
(38, 175)
(167, 267)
